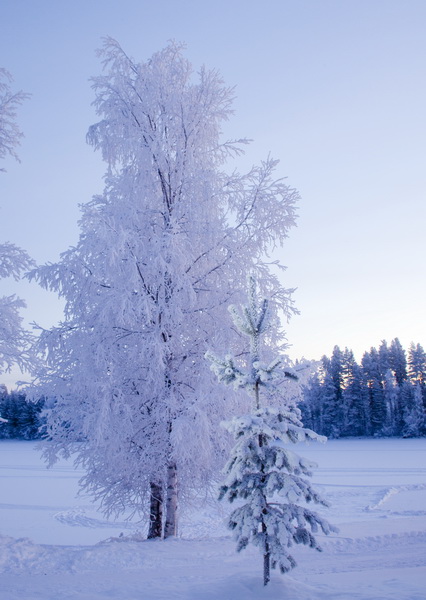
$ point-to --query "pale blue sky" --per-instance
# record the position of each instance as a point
(335, 89)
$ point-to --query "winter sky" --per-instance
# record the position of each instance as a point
(336, 89)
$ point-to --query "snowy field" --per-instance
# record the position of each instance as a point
(55, 546)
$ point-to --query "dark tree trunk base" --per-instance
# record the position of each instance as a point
(266, 568)
(170, 528)
(155, 512)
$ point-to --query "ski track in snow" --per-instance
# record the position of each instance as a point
(391, 545)
(78, 518)
(19, 556)
(388, 493)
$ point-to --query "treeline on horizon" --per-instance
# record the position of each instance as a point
(383, 396)
(20, 418)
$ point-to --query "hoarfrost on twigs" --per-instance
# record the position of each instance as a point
(149, 279)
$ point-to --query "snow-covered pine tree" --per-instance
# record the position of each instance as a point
(371, 365)
(311, 407)
(149, 279)
(19, 418)
(331, 408)
(398, 361)
(347, 390)
(262, 471)
(391, 393)
(357, 396)
(417, 364)
(414, 415)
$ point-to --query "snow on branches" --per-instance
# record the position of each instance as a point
(15, 341)
(266, 478)
(252, 322)
(13, 261)
(154, 269)
(10, 133)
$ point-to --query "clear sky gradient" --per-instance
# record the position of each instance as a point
(336, 89)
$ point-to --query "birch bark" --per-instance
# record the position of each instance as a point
(155, 512)
(170, 527)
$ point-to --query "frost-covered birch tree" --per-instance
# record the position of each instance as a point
(161, 253)
(15, 340)
(263, 475)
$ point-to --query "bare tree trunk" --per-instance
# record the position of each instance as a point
(266, 558)
(155, 512)
(170, 528)
(266, 553)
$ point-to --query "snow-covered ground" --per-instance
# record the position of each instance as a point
(54, 546)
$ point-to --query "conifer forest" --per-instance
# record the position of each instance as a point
(384, 395)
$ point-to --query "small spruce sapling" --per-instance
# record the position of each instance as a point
(262, 471)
